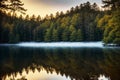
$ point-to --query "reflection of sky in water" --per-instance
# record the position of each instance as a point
(102, 77)
(42, 75)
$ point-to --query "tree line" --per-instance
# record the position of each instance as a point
(77, 24)
(85, 22)
(110, 22)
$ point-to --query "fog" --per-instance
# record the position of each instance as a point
(60, 44)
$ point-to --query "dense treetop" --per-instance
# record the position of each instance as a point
(81, 23)
(112, 23)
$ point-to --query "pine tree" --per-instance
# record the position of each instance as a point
(16, 5)
(65, 35)
(73, 36)
(112, 4)
(55, 35)
(48, 35)
(79, 36)
(112, 29)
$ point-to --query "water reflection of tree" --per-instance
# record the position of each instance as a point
(111, 63)
(76, 63)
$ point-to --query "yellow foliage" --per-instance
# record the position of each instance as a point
(103, 21)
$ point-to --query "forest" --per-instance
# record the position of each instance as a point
(85, 22)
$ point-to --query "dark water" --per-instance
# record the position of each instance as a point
(20, 63)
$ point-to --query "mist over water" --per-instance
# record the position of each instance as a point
(61, 44)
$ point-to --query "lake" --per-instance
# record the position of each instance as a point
(59, 61)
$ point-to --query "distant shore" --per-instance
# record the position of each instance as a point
(111, 45)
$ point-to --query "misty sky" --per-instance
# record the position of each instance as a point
(43, 7)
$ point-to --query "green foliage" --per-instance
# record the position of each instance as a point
(79, 36)
(13, 38)
(111, 4)
(55, 37)
(73, 36)
(38, 33)
(12, 5)
(48, 35)
(112, 29)
(103, 21)
(65, 35)
(16, 5)
(117, 41)
(78, 24)
(75, 19)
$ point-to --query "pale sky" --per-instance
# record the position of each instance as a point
(43, 7)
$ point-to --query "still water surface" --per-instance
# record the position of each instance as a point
(59, 61)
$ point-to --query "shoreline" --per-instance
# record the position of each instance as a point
(111, 45)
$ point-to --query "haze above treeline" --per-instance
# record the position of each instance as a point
(43, 7)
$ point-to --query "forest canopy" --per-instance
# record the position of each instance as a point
(85, 22)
